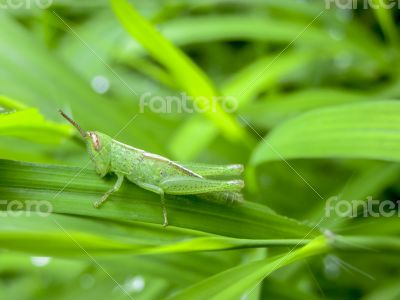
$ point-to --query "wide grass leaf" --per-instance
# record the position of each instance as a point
(73, 190)
(363, 130)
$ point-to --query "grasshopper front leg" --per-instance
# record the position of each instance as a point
(157, 190)
(114, 189)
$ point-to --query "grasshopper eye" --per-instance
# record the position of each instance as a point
(95, 140)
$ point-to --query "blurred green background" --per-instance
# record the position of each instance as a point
(315, 86)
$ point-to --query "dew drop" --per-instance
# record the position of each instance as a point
(40, 261)
(100, 84)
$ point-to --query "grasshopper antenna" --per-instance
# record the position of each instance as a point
(76, 125)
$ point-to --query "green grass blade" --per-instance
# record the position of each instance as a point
(59, 235)
(363, 130)
(7, 103)
(29, 124)
(183, 70)
(233, 282)
(26, 182)
(385, 19)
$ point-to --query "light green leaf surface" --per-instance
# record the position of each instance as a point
(30, 124)
(364, 130)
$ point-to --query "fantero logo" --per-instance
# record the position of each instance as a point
(362, 4)
(15, 208)
(25, 4)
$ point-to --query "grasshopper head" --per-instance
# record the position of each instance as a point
(98, 146)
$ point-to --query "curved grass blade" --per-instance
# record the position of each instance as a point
(62, 235)
(232, 283)
(368, 130)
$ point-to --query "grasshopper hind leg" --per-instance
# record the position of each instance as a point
(160, 191)
(208, 170)
(183, 185)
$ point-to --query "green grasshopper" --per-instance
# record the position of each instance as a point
(156, 173)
